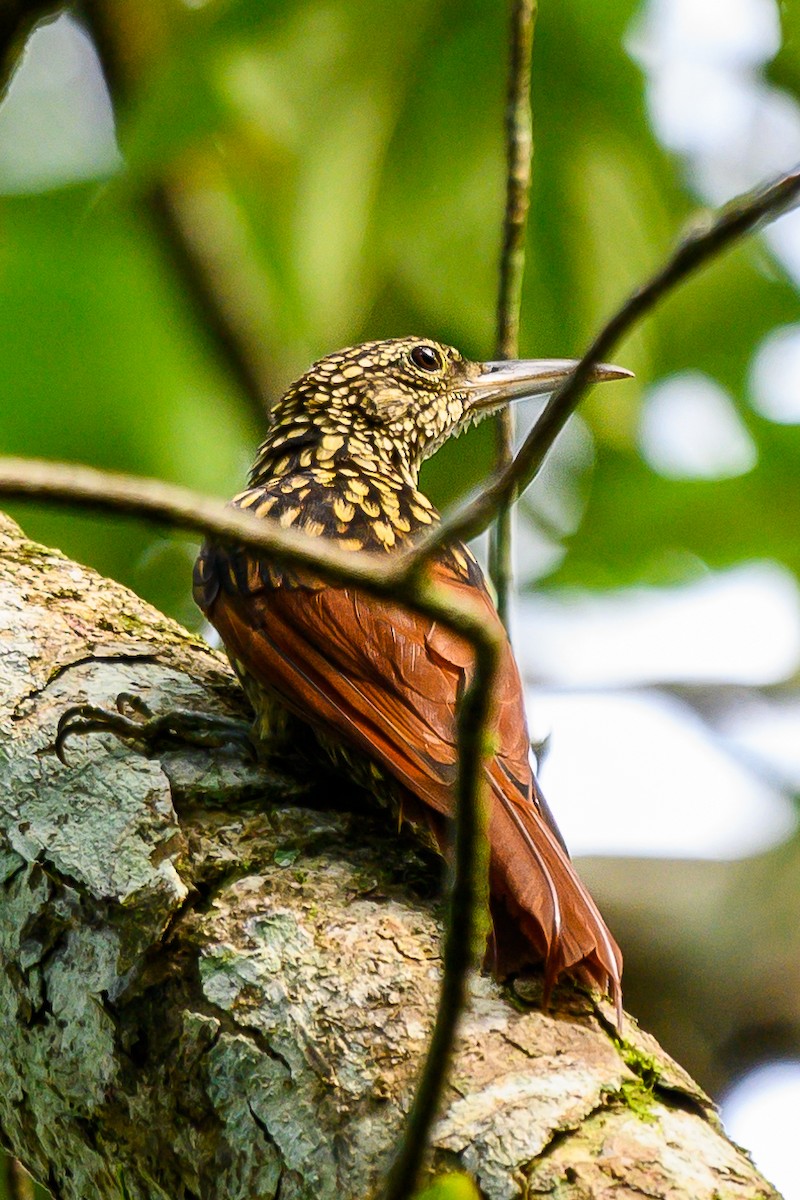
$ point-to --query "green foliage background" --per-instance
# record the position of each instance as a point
(357, 166)
(344, 162)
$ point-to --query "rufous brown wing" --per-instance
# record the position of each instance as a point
(385, 681)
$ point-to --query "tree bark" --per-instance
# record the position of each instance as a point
(208, 991)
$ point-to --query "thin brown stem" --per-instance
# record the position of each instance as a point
(120, 37)
(519, 159)
(181, 508)
(471, 866)
(467, 895)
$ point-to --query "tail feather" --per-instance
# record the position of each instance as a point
(545, 901)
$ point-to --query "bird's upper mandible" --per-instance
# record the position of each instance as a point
(398, 399)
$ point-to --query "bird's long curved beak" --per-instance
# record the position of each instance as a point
(513, 379)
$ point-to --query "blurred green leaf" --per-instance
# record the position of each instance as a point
(352, 172)
(102, 364)
(454, 1186)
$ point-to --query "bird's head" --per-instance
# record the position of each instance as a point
(404, 396)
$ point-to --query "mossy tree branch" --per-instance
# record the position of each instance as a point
(208, 990)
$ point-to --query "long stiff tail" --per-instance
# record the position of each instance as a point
(542, 910)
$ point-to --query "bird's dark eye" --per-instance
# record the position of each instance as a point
(427, 358)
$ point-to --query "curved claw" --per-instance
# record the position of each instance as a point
(135, 703)
(91, 718)
(179, 725)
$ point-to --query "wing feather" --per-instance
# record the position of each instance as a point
(386, 681)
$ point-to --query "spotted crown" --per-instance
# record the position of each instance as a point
(394, 401)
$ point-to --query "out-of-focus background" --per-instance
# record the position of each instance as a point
(335, 168)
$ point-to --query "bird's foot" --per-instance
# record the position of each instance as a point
(134, 721)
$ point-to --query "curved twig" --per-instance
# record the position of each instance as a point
(403, 577)
(467, 894)
(706, 238)
(167, 504)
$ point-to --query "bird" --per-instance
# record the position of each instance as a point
(377, 684)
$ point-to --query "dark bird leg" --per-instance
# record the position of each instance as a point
(133, 721)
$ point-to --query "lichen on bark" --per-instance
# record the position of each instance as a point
(209, 991)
